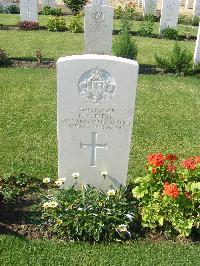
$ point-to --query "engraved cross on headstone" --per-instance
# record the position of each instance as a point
(94, 146)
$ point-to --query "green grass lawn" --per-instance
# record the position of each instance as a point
(165, 120)
(18, 251)
(22, 44)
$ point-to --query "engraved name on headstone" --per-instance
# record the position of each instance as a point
(96, 98)
(169, 14)
(29, 10)
(98, 28)
(197, 48)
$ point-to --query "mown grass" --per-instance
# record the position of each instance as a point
(166, 120)
(18, 251)
(22, 44)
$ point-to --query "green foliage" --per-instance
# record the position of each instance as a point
(179, 61)
(12, 9)
(28, 25)
(170, 33)
(170, 197)
(1, 9)
(118, 12)
(75, 5)
(75, 24)
(13, 186)
(3, 57)
(47, 10)
(195, 21)
(56, 24)
(147, 27)
(124, 46)
(89, 214)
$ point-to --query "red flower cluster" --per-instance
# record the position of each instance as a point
(171, 168)
(190, 163)
(171, 190)
(155, 159)
(171, 157)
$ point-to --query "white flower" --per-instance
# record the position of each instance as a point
(111, 192)
(46, 180)
(60, 181)
(104, 173)
(46, 205)
(75, 175)
(80, 209)
(122, 228)
(130, 217)
(53, 204)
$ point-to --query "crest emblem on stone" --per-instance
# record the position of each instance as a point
(98, 17)
(96, 86)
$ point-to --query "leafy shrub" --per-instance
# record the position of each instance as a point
(130, 10)
(169, 33)
(150, 17)
(185, 19)
(138, 16)
(89, 214)
(75, 24)
(56, 24)
(38, 56)
(47, 10)
(3, 57)
(14, 185)
(28, 25)
(118, 12)
(146, 28)
(178, 61)
(12, 9)
(75, 5)
(169, 194)
(188, 32)
(1, 9)
(195, 21)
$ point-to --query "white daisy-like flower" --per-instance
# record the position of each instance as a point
(122, 228)
(46, 205)
(104, 173)
(111, 192)
(75, 175)
(53, 204)
(46, 180)
(129, 216)
(60, 181)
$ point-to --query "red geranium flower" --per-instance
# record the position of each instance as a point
(155, 159)
(171, 157)
(171, 190)
(197, 159)
(189, 163)
(171, 168)
(153, 170)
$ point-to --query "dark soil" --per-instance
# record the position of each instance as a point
(29, 64)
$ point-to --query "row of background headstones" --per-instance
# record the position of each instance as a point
(102, 30)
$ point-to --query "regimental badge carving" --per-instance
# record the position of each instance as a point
(96, 86)
(98, 17)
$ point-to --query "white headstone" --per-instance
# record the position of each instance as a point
(150, 7)
(98, 28)
(29, 10)
(96, 98)
(50, 3)
(196, 8)
(169, 14)
(187, 3)
(197, 49)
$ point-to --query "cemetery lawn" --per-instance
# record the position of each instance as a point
(19, 251)
(166, 120)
